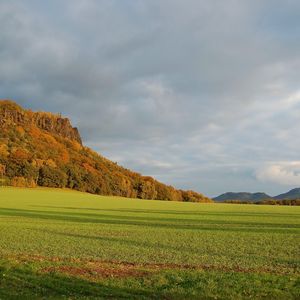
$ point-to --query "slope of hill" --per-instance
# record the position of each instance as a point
(292, 194)
(251, 197)
(38, 148)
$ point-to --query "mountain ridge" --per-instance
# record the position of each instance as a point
(243, 196)
(257, 197)
(292, 194)
(43, 149)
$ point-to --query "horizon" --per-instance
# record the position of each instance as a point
(201, 96)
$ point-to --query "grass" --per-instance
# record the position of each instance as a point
(62, 244)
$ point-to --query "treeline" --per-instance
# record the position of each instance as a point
(32, 157)
(290, 202)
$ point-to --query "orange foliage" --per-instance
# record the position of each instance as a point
(89, 168)
(20, 154)
(50, 163)
(23, 182)
(64, 156)
(49, 139)
(20, 130)
(18, 182)
(76, 146)
(4, 150)
(34, 132)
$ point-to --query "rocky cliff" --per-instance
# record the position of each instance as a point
(13, 114)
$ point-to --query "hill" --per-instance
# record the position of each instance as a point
(291, 195)
(39, 148)
(242, 196)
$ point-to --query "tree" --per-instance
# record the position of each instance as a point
(51, 177)
(2, 170)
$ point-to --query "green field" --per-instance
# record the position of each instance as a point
(69, 245)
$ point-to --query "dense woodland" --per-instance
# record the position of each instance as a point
(42, 149)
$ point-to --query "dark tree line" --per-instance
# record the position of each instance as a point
(290, 202)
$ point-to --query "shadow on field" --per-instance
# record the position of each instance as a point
(185, 249)
(153, 222)
(28, 284)
(173, 212)
(122, 241)
(28, 281)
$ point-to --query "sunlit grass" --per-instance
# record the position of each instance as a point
(224, 238)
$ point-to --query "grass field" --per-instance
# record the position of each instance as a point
(69, 245)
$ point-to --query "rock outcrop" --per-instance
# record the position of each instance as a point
(13, 114)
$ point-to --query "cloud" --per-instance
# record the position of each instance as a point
(284, 173)
(198, 93)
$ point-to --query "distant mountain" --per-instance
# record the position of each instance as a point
(40, 148)
(257, 197)
(251, 197)
(291, 195)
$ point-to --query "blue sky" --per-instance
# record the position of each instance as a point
(200, 94)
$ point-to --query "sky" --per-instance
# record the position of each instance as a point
(202, 95)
